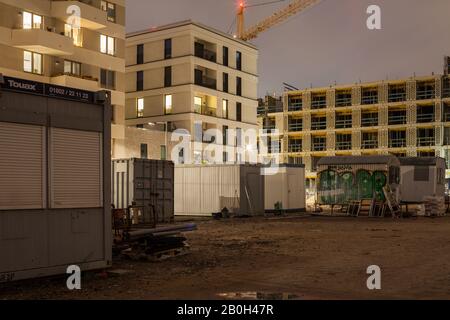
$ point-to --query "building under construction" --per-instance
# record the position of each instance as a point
(408, 117)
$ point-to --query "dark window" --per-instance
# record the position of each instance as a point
(167, 76)
(168, 49)
(108, 79)
(239, 86)
(238, 60)
(144, 151)
(421, 173)
(140, 81)
(238, 111)
(225, 56)
(394, 175)
(163, 153)
(225, 135)
(225, 82)
(140, 54)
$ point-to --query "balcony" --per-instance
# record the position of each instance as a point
(446, 115)
(318, 124)
(369, 99)
(425, 141)
(343, 123)
(319, 146)
(343, 145)
(274, 109)
(206, 54)
(369, 144)
(397, 143)
(91, 17)
(206, 82)
(397, 117)
(425, 117)
(295, 107)
(318, 101)
(295, 147)
(296, 126)
(208, 111)
(71, 81)
(369, 120)
(42, 41)
(344, 100)
(397, 97)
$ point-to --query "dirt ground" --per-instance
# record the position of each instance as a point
(307, 257)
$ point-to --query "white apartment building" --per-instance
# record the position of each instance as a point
(187, 76)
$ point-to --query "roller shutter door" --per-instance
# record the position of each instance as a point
(22, 159)
(76, 172)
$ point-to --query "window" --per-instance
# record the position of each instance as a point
(74, 33)
(238, 111)
(107, 45)
(238, 137)
(72, 68)
(167, 76)
(168, 104)
(110, 9)
(140, 107)
(238, 60)
(198, 104)
(32, 62)
(225, 135)
(225, 82)
(31, 21)
(140, 54)
(140, 81)
(225, 56)
(239, 86)
(167, 48)
(163, 152)
(108, 79)
(225, 108)
(144, 151)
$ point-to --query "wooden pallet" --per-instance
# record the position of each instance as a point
(139, 255)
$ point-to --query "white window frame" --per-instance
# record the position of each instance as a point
(33, 66)
(35, 21)
(107, 45)
(140, 105)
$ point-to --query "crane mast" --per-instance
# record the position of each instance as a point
(293, 8)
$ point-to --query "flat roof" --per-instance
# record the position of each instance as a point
(186, 23)
(419, 161)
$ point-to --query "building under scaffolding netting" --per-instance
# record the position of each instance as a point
(346, 178)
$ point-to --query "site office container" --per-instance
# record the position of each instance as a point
(54, 173)
(285, 184)
(341, 179)
(147, 184)
(421, 177)
(201, 190)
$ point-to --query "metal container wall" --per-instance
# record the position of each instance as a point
(204, 189)
(287, 186)
(55, 153)
(147, 183)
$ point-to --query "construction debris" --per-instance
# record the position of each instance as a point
(432, 207)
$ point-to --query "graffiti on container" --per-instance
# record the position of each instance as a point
(6, 277)
(338, 187)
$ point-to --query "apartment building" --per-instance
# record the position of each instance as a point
(192, 77)
(409, 117)
(77, 44)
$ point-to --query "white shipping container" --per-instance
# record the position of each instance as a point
(205, 189)
(285, 185)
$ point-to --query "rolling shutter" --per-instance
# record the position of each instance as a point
(76, 171)
(22, 166)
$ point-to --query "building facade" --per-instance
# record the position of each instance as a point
(77, 44)
(192, 77)
(409, 117)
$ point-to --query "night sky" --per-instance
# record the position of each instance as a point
(328, 43)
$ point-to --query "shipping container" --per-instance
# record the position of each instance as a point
(421, 177)
(55, 179)
(201, 190)
(146, 184)
(284, 186)
(341, 179)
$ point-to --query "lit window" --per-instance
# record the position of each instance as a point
(72, 68)
(140, 107)
(168, 104)
(107, 45)
(31, 21)
(27, 61)
(198, 104)
(32, 62)
(225, 109)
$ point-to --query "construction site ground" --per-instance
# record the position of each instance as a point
(303, 257)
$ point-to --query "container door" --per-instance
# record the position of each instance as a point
(294, 198)
(22, 164)
(76, 169)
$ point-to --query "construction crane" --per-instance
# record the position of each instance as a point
(293, 8)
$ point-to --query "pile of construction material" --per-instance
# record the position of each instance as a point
(432, 207)
(154, 244)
